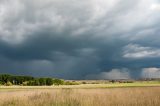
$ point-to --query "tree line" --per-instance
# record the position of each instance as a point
(6, 79)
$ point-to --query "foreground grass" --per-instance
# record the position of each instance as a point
(137, 96)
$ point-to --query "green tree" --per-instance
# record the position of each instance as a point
(8, 83)
(30, 83)
(58, 82)
(4, 78)
(24, 83)
(1, 83)
(36, 82)
(42, 81)
(49, 81)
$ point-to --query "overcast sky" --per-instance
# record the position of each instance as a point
(80, 39)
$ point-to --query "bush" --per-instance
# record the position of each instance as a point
(58, 82)
(42, 81)
(8, 83)
(113, 81)
(1, 83)
(49, 81)
(95, 83)
(84, 82)
(71, 83)
(36, 82)
(30, 83)
(24, 83)
(130, 81)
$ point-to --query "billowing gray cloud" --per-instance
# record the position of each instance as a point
(75, 39)
(137, 51)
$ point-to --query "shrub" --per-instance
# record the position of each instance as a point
(49, 81)
(30, 83)
(42, 81)
(36, 82)
(130, 81)
(113, 81)
(84, 82)
(24, 83)
(71, 83)
(58, 82)
(95, 83)
(1, 83)
(8, 83)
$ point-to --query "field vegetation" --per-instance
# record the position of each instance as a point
(137, 96)
(30, 91)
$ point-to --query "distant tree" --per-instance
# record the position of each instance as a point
(49, 81)
(17, 80)
(36, 82)
(71, 83)
(113, 81)
(24, 83)
(84, 82)
(8, 83)
(58, 82)
(30, 83)
(1, 83)
(42, 81)
(4, 78)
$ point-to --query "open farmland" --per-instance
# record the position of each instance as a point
(140, 93)
(88, 85)
(81, 93)
(131, 96)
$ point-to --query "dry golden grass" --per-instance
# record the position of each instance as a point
(100, 85)
(137, 96)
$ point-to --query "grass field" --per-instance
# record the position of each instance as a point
(108, 85)
(116, 94)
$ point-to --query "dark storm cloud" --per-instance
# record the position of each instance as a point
(94, 39)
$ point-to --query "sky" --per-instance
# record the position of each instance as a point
(80, 39)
